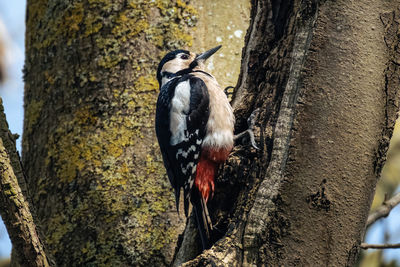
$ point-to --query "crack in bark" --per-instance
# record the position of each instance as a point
(269, 188)
(276, 122)
(391, 22)
(264, 230)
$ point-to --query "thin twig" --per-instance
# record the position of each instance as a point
(384, 210)
(379, 246)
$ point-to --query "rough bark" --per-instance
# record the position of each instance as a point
(88, 147)
(341, 130)
(325, 77)
(14, 206)
(94, 167)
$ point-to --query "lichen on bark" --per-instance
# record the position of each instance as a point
(89, 149)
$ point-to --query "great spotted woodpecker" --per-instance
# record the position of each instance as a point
(194, 126)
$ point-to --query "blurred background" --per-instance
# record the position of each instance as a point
(12, 30)
(386, 230)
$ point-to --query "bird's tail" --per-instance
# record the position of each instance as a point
(203, 219)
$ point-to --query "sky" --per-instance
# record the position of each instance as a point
(12, 30)
(376, 234)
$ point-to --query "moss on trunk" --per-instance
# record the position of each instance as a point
(89, 149)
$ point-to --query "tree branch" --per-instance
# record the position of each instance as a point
(379, 246)
(14, 207)
(384, 210)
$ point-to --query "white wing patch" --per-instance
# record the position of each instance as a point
(180, 106)
(189, 166)
(185, 153)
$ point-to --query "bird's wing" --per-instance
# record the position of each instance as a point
(181, 147)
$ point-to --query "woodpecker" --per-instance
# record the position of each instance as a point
(194, 127)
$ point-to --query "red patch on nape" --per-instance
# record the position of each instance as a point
(207, 168)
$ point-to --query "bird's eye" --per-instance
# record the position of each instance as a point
(184, 56)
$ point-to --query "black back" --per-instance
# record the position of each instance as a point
(196, 119)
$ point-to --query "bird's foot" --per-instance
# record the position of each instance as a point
(250, 122)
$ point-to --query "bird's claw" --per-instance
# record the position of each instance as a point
(250, 122)
(226, 91)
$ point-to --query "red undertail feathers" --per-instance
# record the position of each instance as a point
(207, 168)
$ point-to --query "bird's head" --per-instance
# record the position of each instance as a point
(181, 61)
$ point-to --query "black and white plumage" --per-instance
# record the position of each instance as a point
(180, 138)
(194, 126)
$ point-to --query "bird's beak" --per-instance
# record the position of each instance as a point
(203, 56)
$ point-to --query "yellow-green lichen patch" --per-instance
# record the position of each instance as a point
(103, 150)
(93, 24)
(103, 5)
(63, 24)
(59, 226)
(35, 12)
(69, 152)
(110, 55)
(170, 32)
(88, 250)
(104, 168)
(69, 25)
(130, 23)
(147, 83)
(49, 78)
(32, 113)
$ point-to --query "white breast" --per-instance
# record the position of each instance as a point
(180, 106)
(221, 121)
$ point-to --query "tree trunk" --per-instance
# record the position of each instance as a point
(324, 76)
(89, 150)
